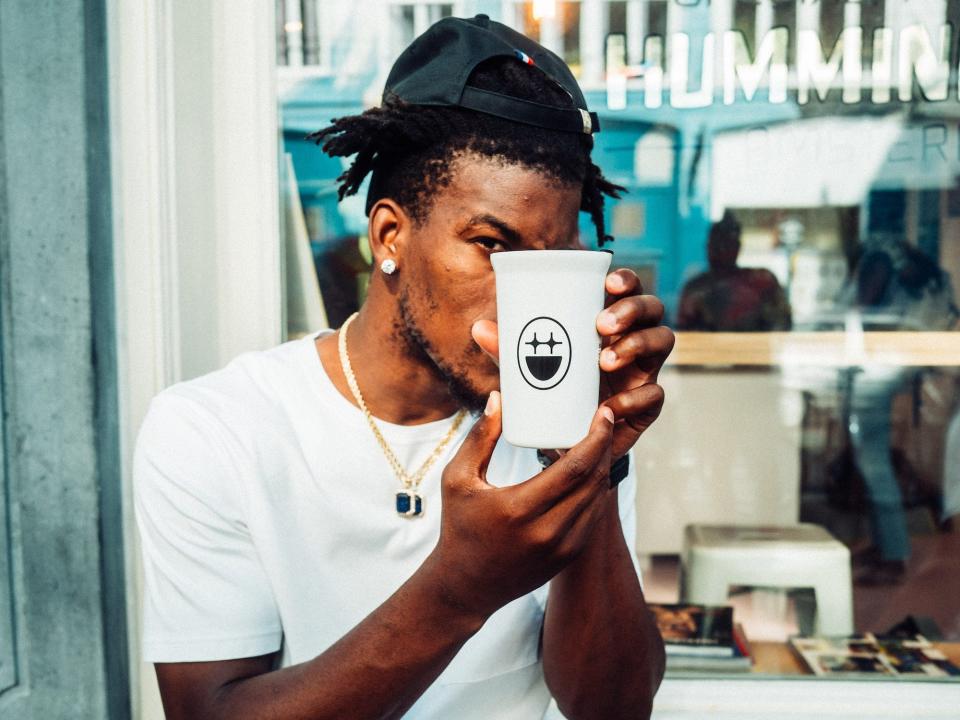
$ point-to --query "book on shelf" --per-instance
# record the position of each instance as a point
(740, 661)
(689, 629)
(699, 637)
(870, 655)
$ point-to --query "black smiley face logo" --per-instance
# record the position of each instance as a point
(543, 353)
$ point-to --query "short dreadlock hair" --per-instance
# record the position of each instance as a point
(408, 148)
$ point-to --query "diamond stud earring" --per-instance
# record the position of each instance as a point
(389, 266)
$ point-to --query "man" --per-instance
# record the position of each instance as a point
(728, 298)
(323, 537)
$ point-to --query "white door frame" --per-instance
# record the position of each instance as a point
(198, 278)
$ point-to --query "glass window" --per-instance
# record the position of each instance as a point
(831, 22)
(555, 24)
(745, 20)
(872, 18)
(617, 16)
(406, 29)
(571, 34)
(785, 15)
(803, 232)
(953, 13)
(656, 17)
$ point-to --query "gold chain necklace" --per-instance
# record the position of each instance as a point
(409, 502)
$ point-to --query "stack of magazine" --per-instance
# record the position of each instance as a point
(869, 655)
(702, 638)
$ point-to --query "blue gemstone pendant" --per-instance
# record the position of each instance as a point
(409, 504)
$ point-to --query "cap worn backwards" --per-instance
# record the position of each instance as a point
(434, 70)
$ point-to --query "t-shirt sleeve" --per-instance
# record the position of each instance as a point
(206, 595)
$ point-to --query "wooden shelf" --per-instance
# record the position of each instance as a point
(829, 349)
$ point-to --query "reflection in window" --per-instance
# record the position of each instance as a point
(745, 20)
(406, 29)
(872, 17)
(785, 15)
(831, 22)
(556, 25)
(617, 16)
(728, 297)
(300, 36)
(570, 27)
(657, 17)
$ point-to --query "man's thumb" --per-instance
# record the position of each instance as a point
(474, 454)
(484, 334)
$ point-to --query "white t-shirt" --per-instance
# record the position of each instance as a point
(267, 518)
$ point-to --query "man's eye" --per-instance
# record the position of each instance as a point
(491, 243)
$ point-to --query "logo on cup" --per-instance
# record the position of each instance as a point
(543, 353)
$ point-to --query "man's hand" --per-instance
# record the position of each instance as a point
(635, 348)
(497, 544)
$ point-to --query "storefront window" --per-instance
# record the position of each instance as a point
(794, 200)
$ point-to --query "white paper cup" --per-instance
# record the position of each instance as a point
(547, 307)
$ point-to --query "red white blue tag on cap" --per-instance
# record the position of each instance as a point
(523, 57)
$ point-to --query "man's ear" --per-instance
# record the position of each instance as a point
(388, 230)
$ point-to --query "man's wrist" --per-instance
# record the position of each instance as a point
(453, 605)
(619, 469)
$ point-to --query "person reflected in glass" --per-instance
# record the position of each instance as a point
(729, 298)
(894, 286)
(950, 514)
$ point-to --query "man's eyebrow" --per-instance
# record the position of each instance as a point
(510, 233)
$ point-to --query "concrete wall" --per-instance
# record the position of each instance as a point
(64, 652)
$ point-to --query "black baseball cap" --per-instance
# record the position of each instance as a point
(434, 70)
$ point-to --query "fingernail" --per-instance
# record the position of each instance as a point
(608, 319)
(609, 356)
(607, 413)
(492, 402)
(617, 282)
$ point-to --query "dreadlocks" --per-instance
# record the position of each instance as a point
(408, 148)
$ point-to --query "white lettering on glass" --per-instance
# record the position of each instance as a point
(771, 55)
(919, 59)
(813, 70)
(680, 95)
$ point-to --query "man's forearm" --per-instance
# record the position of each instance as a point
(377, 670)
(602, 654)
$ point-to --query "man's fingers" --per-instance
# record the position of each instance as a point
(623, 281)
(470, 462)
(656, 342)
(637, 407)
(484, 334)
(629, 312)
(576, 467)
(584, 497)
